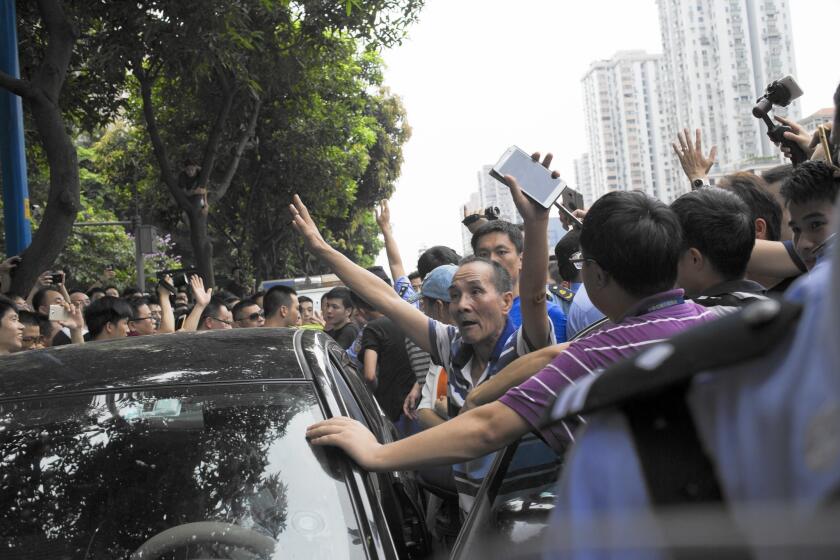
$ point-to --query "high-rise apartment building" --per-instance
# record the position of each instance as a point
(719, 56)
(627, 128)
(583, 179)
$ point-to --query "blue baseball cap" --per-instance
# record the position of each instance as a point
(436, 283)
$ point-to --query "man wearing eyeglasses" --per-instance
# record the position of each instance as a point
(247, 314)
(216, 316)
(141, 323)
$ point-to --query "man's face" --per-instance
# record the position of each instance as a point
(293, 318)
(417, 284)
(222, 320)
(786, 233)
(144, 323)
(181, 299)
(250, 316)
(156, 313)
(11, 332)
(31, 338)
(335, 314)
(80, 298)
(811, 224)
(115, 330)
(307, 312)
(498, 247)
(113, 292)
(478, 309)
(50, 298)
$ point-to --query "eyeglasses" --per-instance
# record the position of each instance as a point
(138, 319)
(31, 339)
(577, 260)
(256, 316)
(222, 320)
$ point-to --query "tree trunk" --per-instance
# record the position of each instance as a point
(63, 200)
(201, 245)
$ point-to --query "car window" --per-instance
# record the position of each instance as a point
(97, 476)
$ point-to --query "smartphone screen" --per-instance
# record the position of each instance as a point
(536, 181)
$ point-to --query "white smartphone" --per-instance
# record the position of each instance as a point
(58, 313)
(536, 181)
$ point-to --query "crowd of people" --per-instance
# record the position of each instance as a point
(467, 355)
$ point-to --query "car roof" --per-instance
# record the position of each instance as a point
(179, 358)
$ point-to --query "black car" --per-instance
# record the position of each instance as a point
(192, 445)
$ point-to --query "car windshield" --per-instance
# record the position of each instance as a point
(221, 472)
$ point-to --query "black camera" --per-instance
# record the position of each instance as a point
(492, 212)
(180, 278)
(780, 93)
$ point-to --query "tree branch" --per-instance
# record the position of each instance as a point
(158, 147)
(15, 85)
(62, 36)
(211, 150)
(246, 135)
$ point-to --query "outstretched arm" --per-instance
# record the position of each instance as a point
(532, 294)
(383, 218)
(465, 437)
(376, 292)
(695, 165)
(202, 300)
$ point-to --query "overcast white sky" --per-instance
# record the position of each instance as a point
(479, 75)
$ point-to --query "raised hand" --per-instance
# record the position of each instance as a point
(201, 296)
(695, 165)
(305, 226)
(383, 215)
(528, 209)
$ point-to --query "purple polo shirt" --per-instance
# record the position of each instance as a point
(654, 319)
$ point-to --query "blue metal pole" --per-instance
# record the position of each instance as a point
(12, 150)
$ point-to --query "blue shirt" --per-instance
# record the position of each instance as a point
(771, 429)
(582, 312)
(555, 315)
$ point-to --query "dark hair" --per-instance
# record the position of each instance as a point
(111, 287)
(305, 299)
(379, 272)
(95, 290)
(136, 303)
(28, 318)
(243, 303)
(212, 310)
(40, 296)
(434, 257)
(414, 275)
(76, 291)
(753, 191)
(106, 309)
(636, 238)
(277, 297)
(719, 225)
(342, 293)
(777, 174)
(811, 180)
(501, 278)
(359, 302)
(5, 305)
(131, 292)
(513, 232)
(568, 245)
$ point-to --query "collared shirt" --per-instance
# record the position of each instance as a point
(556, 316)
(735, 293)
(652, 320)
(451, 352)
(582, 312)
(769, 426)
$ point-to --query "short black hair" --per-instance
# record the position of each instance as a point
(41, 294)
(212, 310)
(568, 245)
(414, 275)
(32, 319)
(277, 297)
(501, 277)
(753, 191)
(636, 239)
(95, 290)
(379, 272)
(778, 174)
(242, 304)
(513, 232)
(305, 299)
(719, 224)
(136, 303)
(809, 181)
(107, 309)
(434, 257)
(131, 291)
(342, 293)
(6, 305)
(359, 302)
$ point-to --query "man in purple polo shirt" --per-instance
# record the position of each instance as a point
(630, 247)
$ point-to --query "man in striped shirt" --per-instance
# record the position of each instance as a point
(630, 247)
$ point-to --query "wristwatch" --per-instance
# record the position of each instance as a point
(699, 184)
